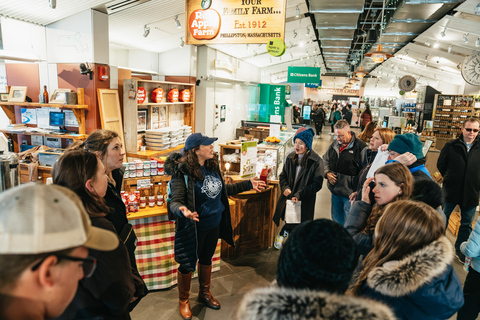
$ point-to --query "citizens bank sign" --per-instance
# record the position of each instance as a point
(303, 75)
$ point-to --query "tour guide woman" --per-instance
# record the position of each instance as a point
(199, 202)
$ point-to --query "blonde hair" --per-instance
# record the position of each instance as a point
(386, 134)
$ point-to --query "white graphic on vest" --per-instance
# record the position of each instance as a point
(211, 186)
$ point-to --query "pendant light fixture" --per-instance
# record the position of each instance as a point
(379, 56)
(360, 73)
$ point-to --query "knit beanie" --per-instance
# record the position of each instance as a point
(407, 142)
(319, 255)
(306, 135)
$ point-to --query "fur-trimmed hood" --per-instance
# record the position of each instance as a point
(284, 303)
(403, 277)
(171, 164)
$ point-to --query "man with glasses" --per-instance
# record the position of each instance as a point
(342, 166)
(45, 235)
(459, 164)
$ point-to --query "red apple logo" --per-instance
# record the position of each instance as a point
(185, 95)
(173, 95)
(157, 95)
(204, 24)
(141, 95)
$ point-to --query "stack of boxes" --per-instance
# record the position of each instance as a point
(165, 138)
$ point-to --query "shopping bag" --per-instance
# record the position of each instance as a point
(293, 212)
(378, 162)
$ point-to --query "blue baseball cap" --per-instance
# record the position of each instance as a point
(198, 139)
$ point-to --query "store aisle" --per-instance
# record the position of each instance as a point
(238, 276)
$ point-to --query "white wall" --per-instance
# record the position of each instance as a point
(178, 62)
(235, 97)
(23, 38)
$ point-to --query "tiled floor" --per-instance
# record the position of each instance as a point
(236, 277)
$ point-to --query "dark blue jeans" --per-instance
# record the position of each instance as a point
(466, 218)
(340, 208)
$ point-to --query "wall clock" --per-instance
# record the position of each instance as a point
(407, 83)
(471, 69)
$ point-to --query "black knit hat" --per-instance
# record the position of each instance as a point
(319, 255)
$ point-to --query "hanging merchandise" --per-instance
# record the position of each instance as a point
(157, 95)
(172, 95)
(141, 95)
(185, 95)
(407, 83)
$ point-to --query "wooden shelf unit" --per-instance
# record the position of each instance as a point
(78, 111)
(450, 113)
(177, 113)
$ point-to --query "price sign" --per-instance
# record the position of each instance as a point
(144, 183)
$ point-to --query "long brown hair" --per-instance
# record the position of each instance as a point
(405, 227)
(72, 170)
(367, 133)
(386, 134)
(401, 176)
(303, 162)
(191, 159)
(97, 141)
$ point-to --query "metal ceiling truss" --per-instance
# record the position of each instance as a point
(359, 23)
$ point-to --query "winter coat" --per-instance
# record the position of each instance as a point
(356, 221)
(336, 116)
(366, 118)
(348, 116)
(108, 292)
(461, 172)
(119, 220)
(304, 188)
(471, 248)
(318, 115)
(346, 166)
(422, 285)
(286, 303)
(184, 195)
(367, 156)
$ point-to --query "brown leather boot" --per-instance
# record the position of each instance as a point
(183, 284)
(204, 277)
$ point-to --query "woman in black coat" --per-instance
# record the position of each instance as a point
(199, 201)
(300, 180)
(106, 144)
(108, 293)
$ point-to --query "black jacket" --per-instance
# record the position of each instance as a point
(107, 293)
(356, 221)
(348, 116)
(305, 188)
(346, 166)
(421, 285)
(461, 172)
(118, 217)
(318, 115)
(182, 195)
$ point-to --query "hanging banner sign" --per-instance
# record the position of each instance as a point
(313, 85)
(234, 21)
(303, 75)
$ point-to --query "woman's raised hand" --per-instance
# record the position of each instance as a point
(366, 190)
(189, 214)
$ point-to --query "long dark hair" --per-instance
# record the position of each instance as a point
(191, 159)
(406, 226)
(72, 170)
(367, 110)
(302, 163)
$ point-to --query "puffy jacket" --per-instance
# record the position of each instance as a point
(286, 303)
(304, 188)
(461, 172)
(346, 166)
(356, 221)
(422, 285)
(336, 115)
(184, 195)
(471, 248)
(366, 118)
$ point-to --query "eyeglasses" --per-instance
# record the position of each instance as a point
(470, 130)
(89, 263)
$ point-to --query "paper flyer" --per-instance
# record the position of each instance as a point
(248, 159)
(70, 119)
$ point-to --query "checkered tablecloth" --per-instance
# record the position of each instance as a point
(155, 254)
